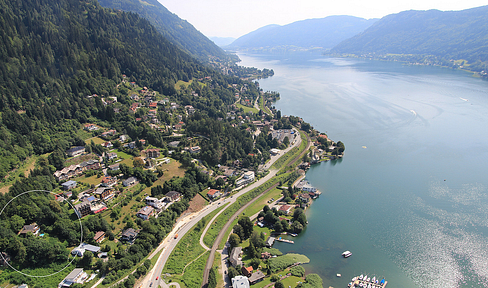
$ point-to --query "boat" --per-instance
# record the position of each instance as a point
(374, 279)
(346, 254)
(369, 285)
(361, 277)
(382, 281)
(350, 284)
(293, 234)
(354, 279)
(368, 279)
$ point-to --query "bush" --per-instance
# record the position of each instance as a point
(297, 271)
(274, 278)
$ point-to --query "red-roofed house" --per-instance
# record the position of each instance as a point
(247, 271)
(213, 194)
(285, 208)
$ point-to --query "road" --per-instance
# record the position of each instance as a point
(184, 225)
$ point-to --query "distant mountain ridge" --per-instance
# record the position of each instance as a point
(452, 35)
(324, 32)
(175, 29)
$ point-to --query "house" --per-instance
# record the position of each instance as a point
(285, 208)
(23, 286)
(90, 127)
(240, 282)
(305, 197)
(123, 138)
(76, 276)
(235, 256)
(153, 105)
(68, 172)
(270, 242)
(155, 202)
(145, 212)
(265, 255)
(130, 145)
(256, 277)
(109, 133)
(32, 228)
(83, 247)
(99, 236)
(213, 194)
(129, 235)
(247, 178)
(104, 193)
(90, 165)
(111, 156)
(75, 151)
(274, 151)
(69, 185)
(114, 167)
(195, 149)
(109, 181)
(152, 153)
(173, 196)
(108, 145)
(173, 144)
(130, 181)
(246, 271)
(82, 209)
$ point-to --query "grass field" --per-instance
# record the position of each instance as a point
(96, 140)
(247, 109)
(172, 169)
(25, 168)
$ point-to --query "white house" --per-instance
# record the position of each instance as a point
(240, 282)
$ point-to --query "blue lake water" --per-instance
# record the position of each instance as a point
(410, 197)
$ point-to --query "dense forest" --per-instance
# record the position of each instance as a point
(173, 28)
(451, 35)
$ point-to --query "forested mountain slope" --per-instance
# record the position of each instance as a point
(324, 32)
(175, 29)
(451, 35)
(56, 53)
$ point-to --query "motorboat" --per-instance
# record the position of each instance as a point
(361, 277)
(382, 281)
(368, 279)
(346, 254)
(373, 280)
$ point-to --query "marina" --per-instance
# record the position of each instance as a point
(367, 282)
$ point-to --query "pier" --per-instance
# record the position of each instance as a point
(285, 240)
(364, 284)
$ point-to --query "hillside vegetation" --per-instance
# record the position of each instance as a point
(325, 32)
(449, 35)
(172, 27)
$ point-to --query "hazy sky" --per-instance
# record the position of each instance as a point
(234, 18)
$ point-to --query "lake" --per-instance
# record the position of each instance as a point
(409, 199)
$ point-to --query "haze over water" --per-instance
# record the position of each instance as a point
(412, 204)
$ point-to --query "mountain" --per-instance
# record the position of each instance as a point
(222, 41)
(324, 32)
(175, 29)
(451, 35)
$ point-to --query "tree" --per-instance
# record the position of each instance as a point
(212, 278)
(296, 227)
(85, 262)
(251, 250)
(255, 262)
(232, 272)
(247, 226)
(278, 284)
(297, 213)
(278, 227)
(138, 162)
(297, 271)
(239, 231)
(234, 240)
(302, 219)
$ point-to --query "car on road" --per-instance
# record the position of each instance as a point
(150, 285)
(157, 278)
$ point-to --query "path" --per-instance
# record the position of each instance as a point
(222, 232)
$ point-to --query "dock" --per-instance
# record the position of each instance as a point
(363, 283)
(285, 240)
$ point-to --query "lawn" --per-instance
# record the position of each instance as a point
(94, 179)
(173, 169)
(96, 140)
(247, 109)
(262, 201)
